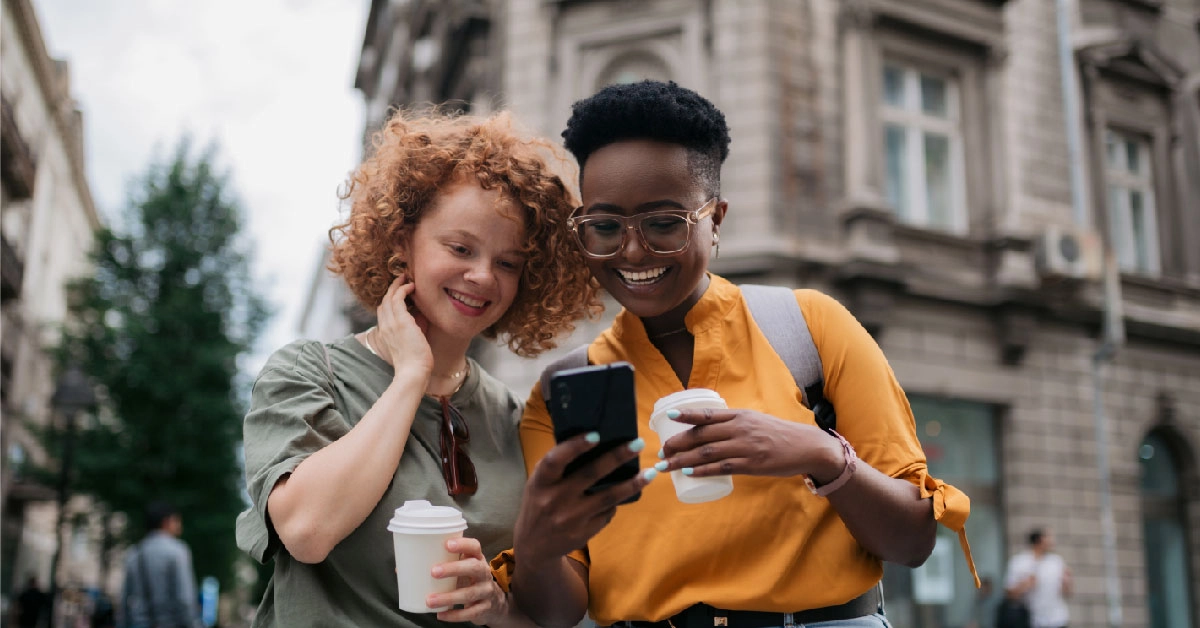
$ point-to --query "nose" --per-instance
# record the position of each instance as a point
(632, 249)
(480, 272)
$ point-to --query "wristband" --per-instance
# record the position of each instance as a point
(839, 481)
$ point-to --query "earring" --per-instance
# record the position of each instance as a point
(717, 243)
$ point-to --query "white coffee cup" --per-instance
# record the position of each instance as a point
(419, 534)
(689, 489)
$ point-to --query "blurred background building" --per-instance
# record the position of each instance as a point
(48, 218)
(929, 164)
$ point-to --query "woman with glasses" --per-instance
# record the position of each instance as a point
(802, 537)
(454, 233)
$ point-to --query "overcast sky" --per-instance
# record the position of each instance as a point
(269, 80)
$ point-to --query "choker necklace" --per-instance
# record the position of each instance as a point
(463, 373)
(668, 333)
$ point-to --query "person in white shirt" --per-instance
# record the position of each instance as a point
(1042, 580)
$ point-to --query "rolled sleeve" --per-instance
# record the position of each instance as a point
(873, 411)
(292, 415)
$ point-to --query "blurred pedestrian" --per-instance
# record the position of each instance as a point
(160, 586)
(32, 605)
(453, 234)
(1041, 579)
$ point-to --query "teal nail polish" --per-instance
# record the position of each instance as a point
(637, 445)
(649, 474)
(688, 470)
(661, 455)
(662, 466)
(672, 414)
(592, 437)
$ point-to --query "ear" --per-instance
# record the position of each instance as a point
(719, 212)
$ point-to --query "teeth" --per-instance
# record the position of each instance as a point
(645, 276)
(468, 300)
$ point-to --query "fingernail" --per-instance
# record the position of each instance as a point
(437, 571)
(649, 474)
(661, 455)
(637, 445)
(672, 414)
(592, 437)
(688, 470)
(662, 466)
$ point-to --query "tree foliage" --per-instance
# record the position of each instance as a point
(160, 327)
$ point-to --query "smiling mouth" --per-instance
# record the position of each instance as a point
(466, 300)
(642, 278)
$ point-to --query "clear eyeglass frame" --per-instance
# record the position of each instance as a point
(634, 222)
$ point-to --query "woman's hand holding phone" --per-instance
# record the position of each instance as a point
(401, 328)
(558, 515)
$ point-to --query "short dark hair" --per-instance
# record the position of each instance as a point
(652, 110)
(157, 513)
(1036, 535)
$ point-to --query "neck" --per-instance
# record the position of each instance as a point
(672, 322)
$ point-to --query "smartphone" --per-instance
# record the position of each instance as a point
(597, 398)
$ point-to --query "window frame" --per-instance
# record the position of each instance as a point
(969, 64)
(915, 125)
(1121, 177)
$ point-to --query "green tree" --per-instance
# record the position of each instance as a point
(160, 328)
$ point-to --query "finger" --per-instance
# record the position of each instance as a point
(613, 496)
(476, 598)
(474, 569)
(608, 462)
(697, 437)
(551, 467)
(707, 416)
(728, 466)
(704, 454)
(466, 546)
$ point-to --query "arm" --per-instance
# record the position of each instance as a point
(333, 491)
(478, 598)
(883, 505)
(557, 518)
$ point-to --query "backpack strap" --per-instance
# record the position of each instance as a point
(778, 315)
(575, 358)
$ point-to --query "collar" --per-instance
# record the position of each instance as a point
(710, 311)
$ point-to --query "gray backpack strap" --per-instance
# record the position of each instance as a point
(576, 358)
(781, 320)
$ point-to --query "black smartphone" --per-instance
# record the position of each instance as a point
(597, 398)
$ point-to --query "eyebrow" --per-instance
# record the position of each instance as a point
(609, 208)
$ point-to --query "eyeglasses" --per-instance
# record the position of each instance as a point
(663, 232)
(457, 468)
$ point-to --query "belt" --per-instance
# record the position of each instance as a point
(705, 616)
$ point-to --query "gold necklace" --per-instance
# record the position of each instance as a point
(668, 333)
(460, 373)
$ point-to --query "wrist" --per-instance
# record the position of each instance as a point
(841, 462)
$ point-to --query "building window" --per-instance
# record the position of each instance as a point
(959, 439)
(923, 147)
(1130, 179)
(634, 67)
(1164, 535)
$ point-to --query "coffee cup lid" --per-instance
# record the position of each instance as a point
(421, 517)
(690, 395)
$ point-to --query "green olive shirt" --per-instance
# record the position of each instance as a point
(296, 409)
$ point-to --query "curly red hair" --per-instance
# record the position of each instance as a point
(413, 157)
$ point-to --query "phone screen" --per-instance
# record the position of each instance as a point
(598, 398)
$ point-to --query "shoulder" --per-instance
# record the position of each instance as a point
(298, 355)
(493, 393)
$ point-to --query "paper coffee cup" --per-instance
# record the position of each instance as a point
(419, 534)
(690, 490)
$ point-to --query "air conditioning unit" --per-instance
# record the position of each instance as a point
(1072, 253)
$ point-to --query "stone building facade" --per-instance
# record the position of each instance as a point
(48, 218)
(913, 158)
